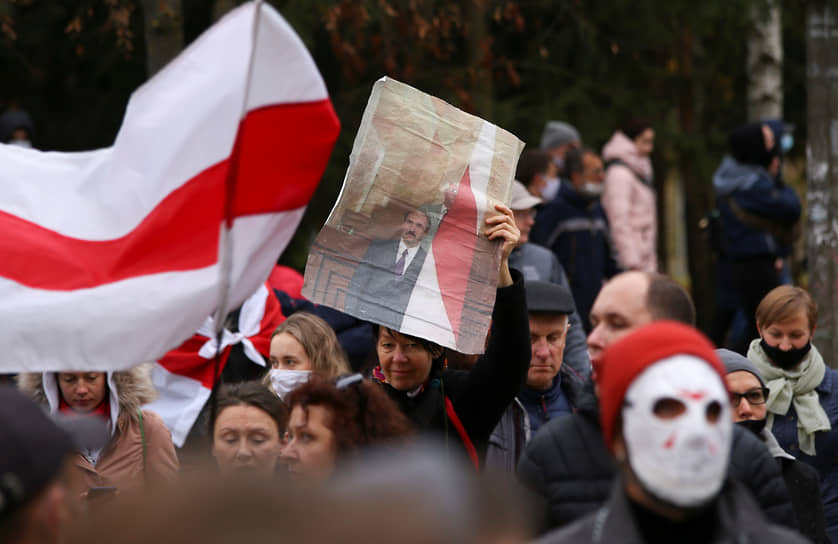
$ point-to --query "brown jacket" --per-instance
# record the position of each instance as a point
(120, 463)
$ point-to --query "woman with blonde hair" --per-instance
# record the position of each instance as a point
(803, 391)
(303, 344)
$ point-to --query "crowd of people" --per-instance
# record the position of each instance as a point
(596, 413)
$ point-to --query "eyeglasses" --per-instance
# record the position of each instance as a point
(755, 396)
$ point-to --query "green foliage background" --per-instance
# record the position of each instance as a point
(594, 63)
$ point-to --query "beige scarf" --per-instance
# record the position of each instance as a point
(795, 386)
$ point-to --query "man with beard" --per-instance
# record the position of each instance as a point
(666, 420)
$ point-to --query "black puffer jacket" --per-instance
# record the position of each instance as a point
(480, 395)
(803, 483)
(568, 467)
(735, 519)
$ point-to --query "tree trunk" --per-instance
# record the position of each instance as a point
(163, 32)
(765, 64)
(480, 59)
(822, 182)
(698, 193)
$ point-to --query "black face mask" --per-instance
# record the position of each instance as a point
(786, 360)
(754, 425)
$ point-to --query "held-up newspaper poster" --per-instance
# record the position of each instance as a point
(404, 245)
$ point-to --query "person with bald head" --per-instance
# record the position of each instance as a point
(632, 299)
(567, 464)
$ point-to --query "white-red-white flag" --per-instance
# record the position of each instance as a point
(110, 258)
(185, 376)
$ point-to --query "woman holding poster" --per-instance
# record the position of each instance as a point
(463, 406)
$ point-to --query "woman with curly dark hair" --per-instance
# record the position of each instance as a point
(331, 420)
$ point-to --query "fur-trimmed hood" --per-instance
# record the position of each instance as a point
(128, 390)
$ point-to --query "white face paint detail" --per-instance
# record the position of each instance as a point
(681, 459)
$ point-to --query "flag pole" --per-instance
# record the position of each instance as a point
(226, 247)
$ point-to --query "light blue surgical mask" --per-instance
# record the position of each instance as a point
(786, 142)
(550, 189)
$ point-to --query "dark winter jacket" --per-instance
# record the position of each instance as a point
(757, 214)
(575, 229)
(826, 446)
(568, 466)
(803, 483)
(515, 428)
(539, 263)
(479, 396)
(737, 520)
(562, 397)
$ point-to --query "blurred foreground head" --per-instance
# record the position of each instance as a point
(332, 421)
(409, 496)
(34, 452)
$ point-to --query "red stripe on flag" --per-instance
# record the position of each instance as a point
(453, 248)
(282, 153)
(185, 361)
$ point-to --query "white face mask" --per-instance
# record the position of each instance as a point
(591, 189)
(550, 189)
(284, 381)
(681, 459)
(21, 143)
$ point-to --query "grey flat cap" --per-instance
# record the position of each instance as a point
(734, 362)
(544, 297)
(558, 133)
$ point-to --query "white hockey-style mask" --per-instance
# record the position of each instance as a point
(677, 429)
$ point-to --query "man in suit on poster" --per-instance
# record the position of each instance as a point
(382, 283)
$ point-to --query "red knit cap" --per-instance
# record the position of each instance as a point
(626, 358)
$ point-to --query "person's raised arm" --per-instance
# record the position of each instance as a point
(502, 227)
